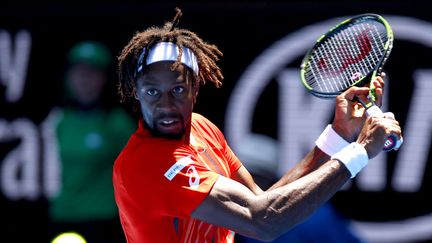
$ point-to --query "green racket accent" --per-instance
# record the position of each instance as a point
(372, 90)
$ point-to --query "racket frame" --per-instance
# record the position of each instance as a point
(392, 142)
(362, 81)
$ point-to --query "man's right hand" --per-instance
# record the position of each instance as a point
(349, 115)
(375, 132)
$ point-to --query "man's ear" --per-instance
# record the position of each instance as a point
(195, 85)
(135, 94)
(195, 91)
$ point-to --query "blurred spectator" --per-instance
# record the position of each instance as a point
(90, 133)
(259, 155)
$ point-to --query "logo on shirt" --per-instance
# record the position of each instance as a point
(191, 172)
(177, 167)
(194, 178)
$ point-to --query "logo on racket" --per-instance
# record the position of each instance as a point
(389, 143)
(355, 76)
(363, 47)
(353, 52)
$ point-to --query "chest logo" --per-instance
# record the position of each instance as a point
(194, 178)
(177, 167)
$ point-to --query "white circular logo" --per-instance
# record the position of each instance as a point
(194, 178)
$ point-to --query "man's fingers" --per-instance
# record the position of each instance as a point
(390, 125)
(350, 93)
(387, 122)
(378, 83)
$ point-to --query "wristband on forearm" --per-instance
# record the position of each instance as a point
(354, 157)
(330, 142)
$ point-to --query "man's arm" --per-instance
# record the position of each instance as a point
(269, 214)
(312, 161)
(347, 123)
(242, 207)
(266, 216)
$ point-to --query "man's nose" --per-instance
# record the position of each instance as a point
(166, 101)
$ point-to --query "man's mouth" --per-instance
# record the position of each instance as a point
(168, 126)
(168, 121)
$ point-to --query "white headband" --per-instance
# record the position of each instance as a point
(168, 51)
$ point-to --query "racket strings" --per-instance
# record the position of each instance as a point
(346, 57)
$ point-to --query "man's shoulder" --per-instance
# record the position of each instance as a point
(205, 126)
(200, 119)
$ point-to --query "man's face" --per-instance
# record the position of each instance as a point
(167, 98)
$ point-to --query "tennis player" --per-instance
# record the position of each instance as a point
(177, 180)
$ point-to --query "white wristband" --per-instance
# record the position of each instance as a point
(354, 157)
(330, 142)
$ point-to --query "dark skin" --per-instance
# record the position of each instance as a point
(167, 99)
(237, 203)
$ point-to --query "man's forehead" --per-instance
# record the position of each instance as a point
(165, 69)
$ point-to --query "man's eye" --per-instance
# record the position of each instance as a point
(178, 90)
(152, 92)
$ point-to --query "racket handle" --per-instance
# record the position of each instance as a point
(392, 141)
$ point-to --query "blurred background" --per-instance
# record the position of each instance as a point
(47, 126)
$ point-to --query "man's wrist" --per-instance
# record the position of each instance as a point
(343, 132)
(354, 157)
(330, 142)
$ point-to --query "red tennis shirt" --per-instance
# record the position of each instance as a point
(158, 182)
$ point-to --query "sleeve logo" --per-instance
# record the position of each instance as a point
(194, 178)
(177, 167)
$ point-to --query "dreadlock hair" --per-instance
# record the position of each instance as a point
(207, 55)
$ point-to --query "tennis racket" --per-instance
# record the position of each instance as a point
(350, 54)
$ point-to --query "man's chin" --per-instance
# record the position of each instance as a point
(172, 136)
(160, 131)
(169, 135)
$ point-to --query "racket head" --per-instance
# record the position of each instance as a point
(347, 55)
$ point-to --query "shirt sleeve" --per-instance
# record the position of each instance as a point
(232, 160)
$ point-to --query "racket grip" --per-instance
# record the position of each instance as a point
(392, 141)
